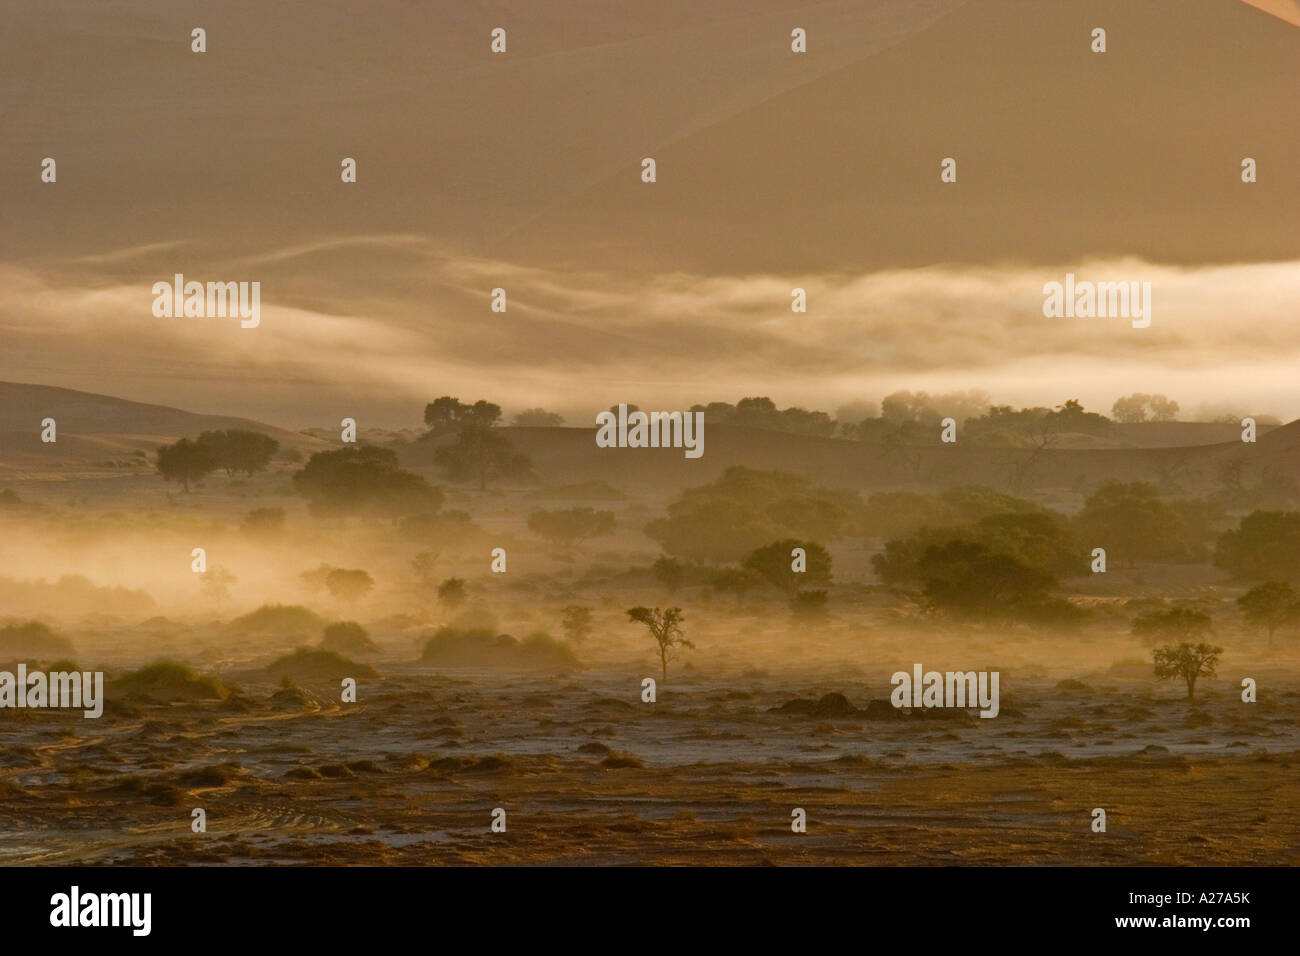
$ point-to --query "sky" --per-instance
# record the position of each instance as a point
(775, 171)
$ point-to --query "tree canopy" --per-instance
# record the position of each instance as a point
(185, 462)
(363, 479)
(747, 508)
(236, 450)
(567, 526)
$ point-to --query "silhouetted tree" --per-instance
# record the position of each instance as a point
(1188, 661)
(1270, 605)
(666, 629)
(1179, 624)
(216, 583)
(576, 621)
(451, 592)
(670, 572)
(235, 449)
(1266, 544)
(363, 478)
(739, 581)
(568, 526)
(423, 564)
(185, 461)
(349, 584)
(481, 453)
(538, 418)
(450, 414)
(773, 562)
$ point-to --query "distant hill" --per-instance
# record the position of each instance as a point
(97, 427)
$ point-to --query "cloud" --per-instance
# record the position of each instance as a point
(393, 331)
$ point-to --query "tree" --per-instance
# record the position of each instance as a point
(1133, 524)
(448, 414)
(774, 563)
(538, 418)
(966, 579)
(1136, 407)
(216, 582)
(727, 519)
(451, 592)
(1177, 624)
(576, 621)
(235, 449)
(315, 578)
(363, 478)
(1264, 546)
(1163, 409)
(423, 564)
(349, 584)
(568, 526)
(669, 572)
(481, 452)
(263, 521)
(1270, 605)
(737, 580)
(666, 629)
(1188, 661)
(808, 603)
(1130, 409)
(185, 461)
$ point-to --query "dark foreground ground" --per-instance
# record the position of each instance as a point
(588, 774)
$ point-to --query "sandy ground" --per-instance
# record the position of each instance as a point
(588, 774)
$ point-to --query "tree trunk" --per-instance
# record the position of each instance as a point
(663, 660)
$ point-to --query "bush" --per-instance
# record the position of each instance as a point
(166, 680)
(312, 663)
(567, 526)
(454, 647)
(278, 619)
(347, 637)
(263, 521)
(32, 639)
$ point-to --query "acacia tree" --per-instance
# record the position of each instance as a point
(665, 627)
(363, 478)
(669, 572)
(775, 563)
(568, 526)
(480, 453)
(349, 584)
(449, 414)
(423, 565)
(1270, 605)
(737, 580)
(1188, 661)
(315, 577)
(1178, 624)
(452, 593)
(185, 461)
(576, 621)
(216, 584)
(236, 449)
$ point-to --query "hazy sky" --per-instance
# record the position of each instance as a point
(775, 170)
